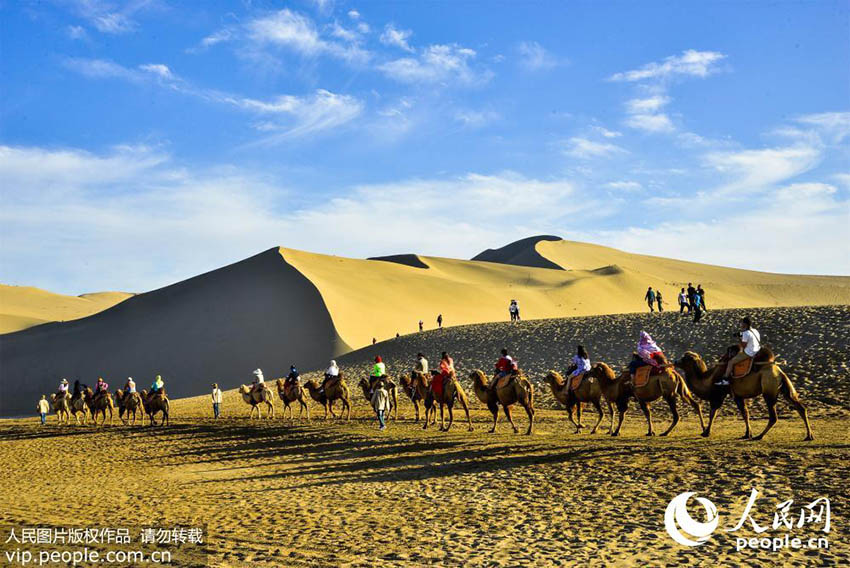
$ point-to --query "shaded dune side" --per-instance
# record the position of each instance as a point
(412, 260)
(520, 253)
(219, 326)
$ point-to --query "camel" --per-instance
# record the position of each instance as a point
(615, 390)
(61, 407)
(766, 378)
(367, 384)
(99, 405)
(416, 387)
(666, 384)
(129, 403)
(78, 406)
(257, 397)
(452, 391)
(153, 403)
(589, 390)
(337, 390)
(517, 389)
(291, 395)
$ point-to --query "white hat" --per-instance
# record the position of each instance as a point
(258, 372)
(64, 381)
(129, 378)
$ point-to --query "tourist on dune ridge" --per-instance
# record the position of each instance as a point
(650, 298)
(216, 401)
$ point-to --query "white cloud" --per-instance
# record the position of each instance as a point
(354, 14)
(647, 105)
(535, 57)
(77, 32)
(650, 122)
(601, 130)
(624, 185)
(108, 18)
(753, 170)
(583, 148)
(292, 116)
(169, 221)
(297, 32)
(843, 179)
(396, 37)
(834, 127)
(689, 63)
(801, 228)
(476, 118)
(437, 64)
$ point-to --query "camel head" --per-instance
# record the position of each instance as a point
(601, 371)
(554, 379)
(478, 377)
(690, 360)
(244, 389)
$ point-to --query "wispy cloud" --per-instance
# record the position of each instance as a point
(624, 185)
(535, 57)
(285, 116)
(396, 37)
(109, 18)
(438, 64)
(690, 63)
(585, 149)
(476, 118)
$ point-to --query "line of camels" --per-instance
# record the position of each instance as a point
(600, 384)
(86, 407)
(696, 382)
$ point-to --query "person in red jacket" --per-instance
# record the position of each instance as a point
(504, 367)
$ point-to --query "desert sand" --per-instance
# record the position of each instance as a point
(298, 493)
(24, 306)
(285, 306)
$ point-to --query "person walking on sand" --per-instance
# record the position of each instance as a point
(421, 325)
(701, 294)
(697, 308)
(692, 292)
(43, 408)
(513, 309)
(683, 302)
(440, 321)
(650, 298)
(216, 400)
(381, 403)
(659, 300)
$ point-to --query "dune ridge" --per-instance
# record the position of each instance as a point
(25, 306)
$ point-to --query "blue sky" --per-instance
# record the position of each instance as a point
(144, 142)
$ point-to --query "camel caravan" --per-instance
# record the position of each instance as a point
(747, 370)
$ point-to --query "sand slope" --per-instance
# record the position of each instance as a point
(24, 306)
(286, 306)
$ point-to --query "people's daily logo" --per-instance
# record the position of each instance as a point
(787, 530)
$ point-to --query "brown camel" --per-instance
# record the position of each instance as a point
(62, 407)
(154, 403)
(290, 395)
(765, 379)
(257, 397)
(367, 385)
(589, 390)
(131, 403)
(99, 405)
(516, 389)
(452, 391)
(79, 407)
(664, 382)
(334, 390)
(615, 390)
(416, 387)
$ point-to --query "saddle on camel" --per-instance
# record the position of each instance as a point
(744, 367)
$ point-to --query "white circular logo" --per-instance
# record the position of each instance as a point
(677, 520)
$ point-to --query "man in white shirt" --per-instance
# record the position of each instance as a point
(750, 346)
(216, 400)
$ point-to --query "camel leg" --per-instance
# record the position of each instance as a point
(507, 409)
(451, 417)
(347, 407)
(427, 417)
(611, 413)
(578, 414)
(111, 422)
(326, 410)
(745, 414)
(442, 420)
(570, 410)
(794, 400)
(598, 406)
(465, 405)
(495, 410)
(529, 410)
(621, 411)
(416, 409)
(712, 412)
(671, 402)
(770, 401)
(648, 413)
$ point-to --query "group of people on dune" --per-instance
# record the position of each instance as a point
(691, 299)
(92, 396)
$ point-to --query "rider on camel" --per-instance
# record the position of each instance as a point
(504, 367)
(447, 367)
(100, 387)
(580, 363)
(158, 386)
(293, 378)
(63, 389)
(331, 373)
(749, 346)
(258, 382)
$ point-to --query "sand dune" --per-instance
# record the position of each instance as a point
(287, 306)
(24, 306)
